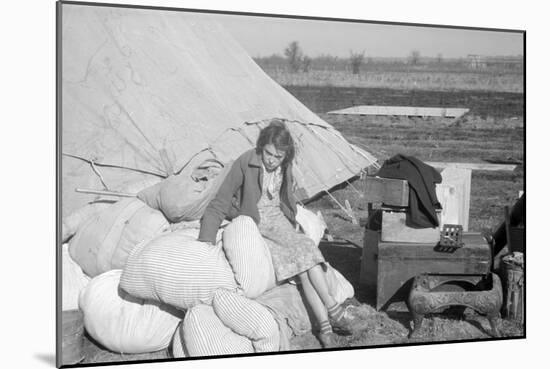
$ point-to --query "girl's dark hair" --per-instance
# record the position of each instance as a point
(277, 134)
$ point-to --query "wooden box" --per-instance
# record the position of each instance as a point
(454, 195)
(369, 259)
(394, 229)
(391, 266)
(393, 192)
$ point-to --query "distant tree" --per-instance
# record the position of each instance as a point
(293, 54)
(273, 61)
(306, 63)
(356, 60)
(439, 58)
(414, 57)
(329, 62)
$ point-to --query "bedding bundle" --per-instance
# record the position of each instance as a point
(145, 284)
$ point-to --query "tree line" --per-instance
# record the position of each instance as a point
(297, 61)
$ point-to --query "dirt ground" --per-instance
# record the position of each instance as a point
(493, 129)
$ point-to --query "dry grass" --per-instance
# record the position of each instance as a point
(406, 80)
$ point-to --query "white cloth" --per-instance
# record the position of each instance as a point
(272, 180)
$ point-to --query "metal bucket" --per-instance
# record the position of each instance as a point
(514, 304)
(72, 322)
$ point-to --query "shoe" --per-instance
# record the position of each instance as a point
(332, 340)
(350, 322)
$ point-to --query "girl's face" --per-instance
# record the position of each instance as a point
(271, 157)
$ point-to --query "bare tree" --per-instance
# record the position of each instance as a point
(356, 60)
(414, 57)
(293, 53)
(306, 63)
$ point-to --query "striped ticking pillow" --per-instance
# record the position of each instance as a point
(177, 270)
(247, 318)
(249, 256)
(178, 346)
(205, 334)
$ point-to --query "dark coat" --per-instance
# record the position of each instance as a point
(239, 195)
(422, 196)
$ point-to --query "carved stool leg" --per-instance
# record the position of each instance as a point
(418, 319)
(495, 321)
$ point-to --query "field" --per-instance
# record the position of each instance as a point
(449, 75)
(461, 81)
(493, 129)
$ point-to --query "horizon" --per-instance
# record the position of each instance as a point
(263, 36)
(457, 58)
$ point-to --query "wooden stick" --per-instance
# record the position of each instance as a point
(105, 192)
(350, 213)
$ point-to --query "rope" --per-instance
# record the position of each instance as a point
(99, 175)
(354, 188)
(344, 209)
(161, 175)
(193, 157)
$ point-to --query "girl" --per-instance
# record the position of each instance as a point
(259, 185)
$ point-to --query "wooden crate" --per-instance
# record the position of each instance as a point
(369, 259)
(394, 229)
(393, 192)
(397, 263)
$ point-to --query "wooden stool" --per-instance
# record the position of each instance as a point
(431, 293)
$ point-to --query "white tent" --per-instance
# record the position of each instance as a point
(147, 92)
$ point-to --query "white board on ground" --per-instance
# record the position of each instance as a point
(414, 111)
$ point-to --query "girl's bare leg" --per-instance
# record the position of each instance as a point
(312, 297)
(326, 336)
(324, 305)
(319, 282)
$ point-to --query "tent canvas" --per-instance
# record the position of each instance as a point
(144, 93)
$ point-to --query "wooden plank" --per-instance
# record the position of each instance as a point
(394, 192)
(394, 229)
(472, 166)
(369, 265)
(475, 248)
(448, 198)
(402, 110)
(454, 195)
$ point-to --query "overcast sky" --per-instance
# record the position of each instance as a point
(264, 36)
